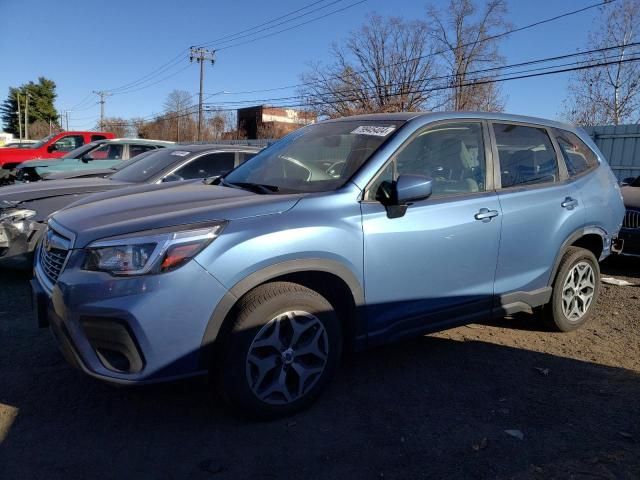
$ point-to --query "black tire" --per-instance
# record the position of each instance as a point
(254, 311)
(554, 312)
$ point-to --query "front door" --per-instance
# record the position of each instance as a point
(434, 265)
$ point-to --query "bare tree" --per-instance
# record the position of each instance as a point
(464, 38)
(385, 66)
(177, 106)
(118, 126)
(609, 94)
(40, 129)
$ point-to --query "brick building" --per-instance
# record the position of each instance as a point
(263, 121)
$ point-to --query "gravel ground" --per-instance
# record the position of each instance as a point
(434, 407)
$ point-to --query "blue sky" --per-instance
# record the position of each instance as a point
(89, 45)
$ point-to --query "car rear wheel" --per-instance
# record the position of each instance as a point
(281, 351)
(575, 290)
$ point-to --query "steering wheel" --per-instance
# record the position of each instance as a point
(336, 168)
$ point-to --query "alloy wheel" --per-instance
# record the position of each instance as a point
(287, 357)
(578, 291)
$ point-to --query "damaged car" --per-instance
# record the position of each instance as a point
(25, 208)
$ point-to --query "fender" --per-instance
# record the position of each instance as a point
(277, 270)
(591, 229)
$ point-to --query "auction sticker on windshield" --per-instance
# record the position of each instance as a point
(180, 153)
(374, 130)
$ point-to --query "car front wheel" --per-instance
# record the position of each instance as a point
(281, 351)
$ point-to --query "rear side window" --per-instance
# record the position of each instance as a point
(138, 149)
(210, 165)
(97, 137)
(578, 157)
(526, 155)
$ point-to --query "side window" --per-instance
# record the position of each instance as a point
(107, 151)
(68, 143)
(451, 154)
(526, 155)
(209, 165)
(97, 137)
(577, 156)
(138, 149)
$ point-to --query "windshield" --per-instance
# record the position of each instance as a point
(317, 158)
(143, 169)
(125, 163)
(40, 143)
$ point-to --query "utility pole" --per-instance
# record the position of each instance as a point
(200, 55)
(102, 94)
(66, 114)
(19, 118)
(26, 117)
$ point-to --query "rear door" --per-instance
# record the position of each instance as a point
(540, 209)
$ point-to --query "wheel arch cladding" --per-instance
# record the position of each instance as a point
(338, 284)
(591, 239)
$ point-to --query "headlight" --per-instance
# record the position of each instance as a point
(15, 215)
(155, 253)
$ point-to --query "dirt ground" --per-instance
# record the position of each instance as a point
(435, 407)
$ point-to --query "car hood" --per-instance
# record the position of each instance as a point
(630, 195)
(36, 162)
(54, 188)
(148, 207)
(96, 172)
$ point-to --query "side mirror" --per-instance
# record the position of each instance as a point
(172, 178)
(411, 188)
(86, 158)
(51, 148)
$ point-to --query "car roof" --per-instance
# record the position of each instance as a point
(407, 116)
(201, 147)
(139, 141)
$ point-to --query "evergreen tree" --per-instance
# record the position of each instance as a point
(42, 96)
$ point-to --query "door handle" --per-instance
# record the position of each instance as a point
(486, 215)
(569, 203)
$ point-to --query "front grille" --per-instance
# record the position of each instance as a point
(631, 219)
(53, 254)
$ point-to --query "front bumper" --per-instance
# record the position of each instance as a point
(631, 239)
(18, 244)
(133, 330)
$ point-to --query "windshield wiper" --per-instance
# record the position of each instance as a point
(253, 187)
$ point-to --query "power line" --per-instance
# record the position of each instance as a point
(227, 37)
(475, 82)
(177, 59)
(439, 52)
(294, 26)
(170, 65)
(450, 76)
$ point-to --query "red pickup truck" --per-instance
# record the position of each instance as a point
(53, 146)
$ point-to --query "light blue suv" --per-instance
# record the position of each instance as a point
(345, 234)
